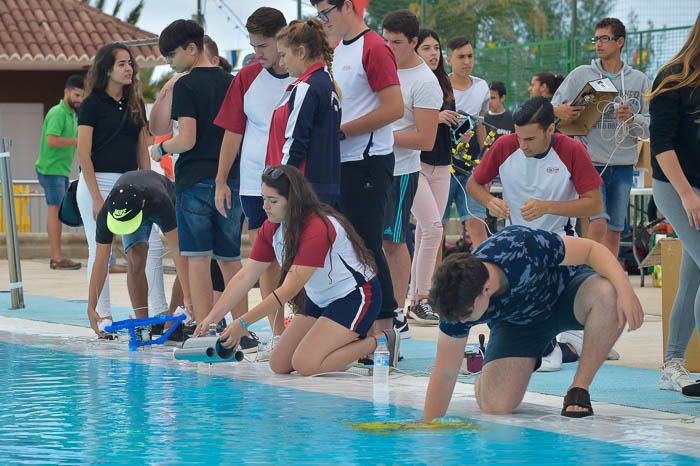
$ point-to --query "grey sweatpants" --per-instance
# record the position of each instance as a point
(685, 315)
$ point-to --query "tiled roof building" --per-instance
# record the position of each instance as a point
(42, 42)
(63, 34)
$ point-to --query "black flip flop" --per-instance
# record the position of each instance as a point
(577, 396)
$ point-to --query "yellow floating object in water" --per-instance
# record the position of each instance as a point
(390, 427)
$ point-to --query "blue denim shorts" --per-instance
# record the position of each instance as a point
(466, 208)
(253, 210)
(55, 187)
(141, 235)
(202, 230)
(616, 188)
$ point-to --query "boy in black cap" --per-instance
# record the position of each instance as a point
(138, 200)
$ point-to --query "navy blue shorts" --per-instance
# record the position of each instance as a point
(397, 215)
(55, 187)
(357, 311)
(253, 210)
(529, 341)
(202, 230)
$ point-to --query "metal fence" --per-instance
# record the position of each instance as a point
(30, 208)
(515, 65)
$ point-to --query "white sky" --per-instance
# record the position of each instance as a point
(220, 25)
(229, 35)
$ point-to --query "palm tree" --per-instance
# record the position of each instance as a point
(131, 18)
(485, 22)
(150, 88)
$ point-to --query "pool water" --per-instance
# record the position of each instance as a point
(65, 408)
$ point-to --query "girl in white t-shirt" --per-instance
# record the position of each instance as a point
(326, 273)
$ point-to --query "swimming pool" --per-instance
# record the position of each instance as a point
(66, 408)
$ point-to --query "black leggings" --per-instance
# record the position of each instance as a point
(364, 192)
(217, 278)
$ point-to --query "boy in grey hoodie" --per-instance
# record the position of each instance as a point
(614, 159)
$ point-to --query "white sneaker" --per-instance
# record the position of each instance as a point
(183, 311)
(674, 375)
(401, 324)
(551, 362)
(575, 339)
(265, 350)
(613, 355)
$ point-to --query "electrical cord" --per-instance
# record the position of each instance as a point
(490, 138)
(623, 129)
(466, 204)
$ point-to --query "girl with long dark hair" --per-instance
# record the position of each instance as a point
(112, 139)
(326, 273)
(433, 188)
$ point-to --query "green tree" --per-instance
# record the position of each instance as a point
(149, 87)
(378, 9)
(589, 12)
(485, 22)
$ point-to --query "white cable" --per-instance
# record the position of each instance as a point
(623, 129)
(466, 204)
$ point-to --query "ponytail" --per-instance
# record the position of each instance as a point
(312, 36)
(551, 80)
(328, 60)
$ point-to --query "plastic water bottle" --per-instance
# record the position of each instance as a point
(380, 371)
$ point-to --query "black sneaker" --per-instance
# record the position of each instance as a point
(401, 324)
(157, 329)
(692, 391)
(182, 333)
(249, 343)
(423, 314)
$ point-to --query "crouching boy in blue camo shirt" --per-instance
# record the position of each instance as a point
(528, 285)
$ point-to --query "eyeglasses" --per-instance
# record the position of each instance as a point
(273, 172)
(603, 39)
(323, 14)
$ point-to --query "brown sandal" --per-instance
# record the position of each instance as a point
(64, 264)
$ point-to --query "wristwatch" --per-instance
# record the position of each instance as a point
(161, 150)
(342, 136)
